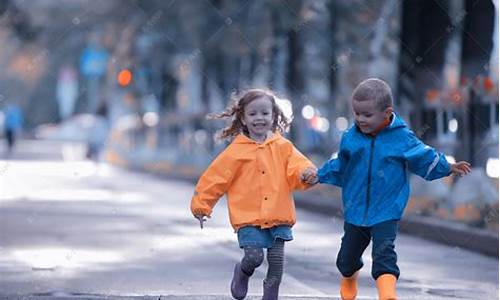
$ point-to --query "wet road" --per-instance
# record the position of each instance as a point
(72, 227)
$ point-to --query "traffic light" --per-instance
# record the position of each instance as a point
(124, 77)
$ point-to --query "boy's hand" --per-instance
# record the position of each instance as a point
(460, 168)
(309, 176)
(202, 219)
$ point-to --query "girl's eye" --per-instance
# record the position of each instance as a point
(369, 115)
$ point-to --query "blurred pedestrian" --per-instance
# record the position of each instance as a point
(371, 168)
(258, 171)
(12, 125)
(99, 132)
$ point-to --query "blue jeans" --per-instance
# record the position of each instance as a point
(355, 241)
(254, 236)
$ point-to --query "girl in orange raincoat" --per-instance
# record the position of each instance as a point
(258, 171)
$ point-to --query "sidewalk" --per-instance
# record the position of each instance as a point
(446, 232)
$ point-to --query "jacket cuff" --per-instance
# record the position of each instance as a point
(199, 207)
(201, 211)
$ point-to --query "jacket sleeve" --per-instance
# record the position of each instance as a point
(332, 172)
(424, 160)
(213, 184)
(296, 164)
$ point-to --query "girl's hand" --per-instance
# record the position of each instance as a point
(202, 219)
(460, 168)
(309, 176)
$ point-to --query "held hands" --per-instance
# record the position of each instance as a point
(460, 168)
(201, 218)
(309, 176)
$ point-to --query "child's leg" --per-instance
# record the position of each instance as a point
(385, 269)
(252, 259)
(275, 258)
(354, 243)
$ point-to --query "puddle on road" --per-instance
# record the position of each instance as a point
(51, 259)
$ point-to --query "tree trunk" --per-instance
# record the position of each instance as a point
(295, 82)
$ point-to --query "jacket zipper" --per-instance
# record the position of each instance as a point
(368, 187)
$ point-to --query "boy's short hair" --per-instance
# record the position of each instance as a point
(374, 89)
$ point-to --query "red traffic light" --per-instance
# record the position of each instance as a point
(124, 77)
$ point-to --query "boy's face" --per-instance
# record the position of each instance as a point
(368, 116)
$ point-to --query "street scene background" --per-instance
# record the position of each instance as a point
(103, 118)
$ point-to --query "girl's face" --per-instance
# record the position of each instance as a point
(258, 118)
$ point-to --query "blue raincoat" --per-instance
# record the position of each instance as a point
(373, 171)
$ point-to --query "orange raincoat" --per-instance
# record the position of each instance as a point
(258, 179)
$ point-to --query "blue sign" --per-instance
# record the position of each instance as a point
(93, 61)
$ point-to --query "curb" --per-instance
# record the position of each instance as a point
(446, 232)
(442, 231)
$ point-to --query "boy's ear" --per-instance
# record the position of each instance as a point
(388, 112)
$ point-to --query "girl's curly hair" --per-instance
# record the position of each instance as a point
(236, 110)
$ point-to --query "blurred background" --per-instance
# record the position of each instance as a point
(90, 90)
(134, 80)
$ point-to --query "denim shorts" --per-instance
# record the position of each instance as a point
(254, 236)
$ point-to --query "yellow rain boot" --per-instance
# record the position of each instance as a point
(349, 287)
(386, 286)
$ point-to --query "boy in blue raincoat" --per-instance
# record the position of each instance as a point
(371, 168)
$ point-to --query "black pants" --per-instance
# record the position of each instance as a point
(10, 136)
(355, 241)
